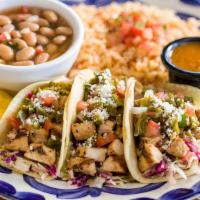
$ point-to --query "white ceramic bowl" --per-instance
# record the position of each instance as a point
(13, 78)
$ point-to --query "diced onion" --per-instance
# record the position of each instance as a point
(177, 170)
(139, 110)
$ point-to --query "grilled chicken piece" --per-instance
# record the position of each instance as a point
(22, 164)
(97, 154)
(18, 144)
(153, 140)
(57, 128)
(144, 164)
(42, 154)
(39, 136)
(178, 148)
(114, 164)
(106, 127)
(83, 131)
(88, 167)
(152, 153)
(116, 148)
(84, 165)
(38, 168)
(74, 162)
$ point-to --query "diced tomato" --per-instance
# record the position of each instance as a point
(48, 125)
(24, 9)
(14, 122)
(136, 31)
(125, 29)
(161, 95)
(120, 91)
(48, 101)
(3, 37)
(104, 140)
(190, 111)
(147, 34)
(82, 105)
(152, 129)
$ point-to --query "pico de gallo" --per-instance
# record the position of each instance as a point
(134, 30)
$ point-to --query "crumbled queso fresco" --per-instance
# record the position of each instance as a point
(101, 95)
(170, 112)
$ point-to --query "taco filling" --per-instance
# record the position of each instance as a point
(167, 134)
(97, 144)
(33, 143)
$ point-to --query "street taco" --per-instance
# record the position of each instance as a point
(95, 149)
(31, 129)
(163, 133)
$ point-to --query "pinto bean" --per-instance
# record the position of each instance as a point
(51, 48)
(42, 40)
(6, 52)
(23, 63)
(47, 31)
(64, 30)
(26, 53)
(50, 16)
(19, 17)
(16, 34)
(43, 22)
(59, 39)
(4, 20)
(41, 58)
(32, 26)
(30, 38)
(8, 28)
(21, 43)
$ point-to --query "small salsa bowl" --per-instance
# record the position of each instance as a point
(14, 78)
(176, 73)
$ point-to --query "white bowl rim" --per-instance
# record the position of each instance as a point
(69, 52)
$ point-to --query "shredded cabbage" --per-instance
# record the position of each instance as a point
(174, 167)
(193, 148)
(156, 169)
